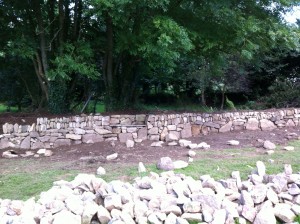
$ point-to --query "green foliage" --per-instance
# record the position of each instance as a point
(162, 41)
(57, 96)
(229, 104)
(284, 93)
(75, 58)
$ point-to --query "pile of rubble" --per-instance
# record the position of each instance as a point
(166, 198)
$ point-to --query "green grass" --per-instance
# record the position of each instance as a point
(176, 107)
(15, 183)
(3, 108)
(23, 186)
(220, 164)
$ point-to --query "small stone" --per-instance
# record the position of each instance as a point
(157, 144)
(288, 169)
(171, 137)
(193, 146)
(129, 143)
(270, 152)
(203, 145)
(64, 217)
(141, 168)
(112, 156)
(112, 201)
(103, 214)
(101, 171)
(289, 148)
(184, 143)
(172, 143)
(9, 154)
(179, 164)
(233, 142)
(41, 151)
(191, 153)
(191, 160)
(165, 163)
(48, 153)
(271, 161)
(269, 145)
(261, 168)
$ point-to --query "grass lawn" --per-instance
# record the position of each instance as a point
(219, 164)
(3, 108)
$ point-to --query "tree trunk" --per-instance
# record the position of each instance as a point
(223, 98)
(203, 100)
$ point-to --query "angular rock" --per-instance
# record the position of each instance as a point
(171, 137)
(179, 164)
(101, 171)
(226, 127)
(141, 168)
(267, 125)
(269, 145)
(191, 153)
(9, 154)
(92, 138)
(48, 153)
(165, 163)
(102, 131)
(284, 213)
(184, 143)
(25, 143)
(249, 213)
(103, 215)
(261, 168)
(265, 215)
(252, 124)
(289, 148)
(187, 131)
(64, 217)
(73, 136)
(123, 137)
(129, 143)
(203, 145)
(142, 133)
(112, 201)
(157, 144)
(233, 142)
(62, 142)
(192, 207)
(112, 156)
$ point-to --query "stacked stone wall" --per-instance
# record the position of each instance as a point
(54, 132)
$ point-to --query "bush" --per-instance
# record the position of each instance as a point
(283, 93)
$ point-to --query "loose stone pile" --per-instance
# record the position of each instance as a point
(166, 198)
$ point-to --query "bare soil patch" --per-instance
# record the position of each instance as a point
(88, 157)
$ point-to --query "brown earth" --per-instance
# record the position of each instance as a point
(88, 157)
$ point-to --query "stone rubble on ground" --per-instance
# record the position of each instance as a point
(141, 168)
(9, 154)
(269, 145)
(289, 148)
(233, 142)
(112, 157)
(101, 171)
(163, 198)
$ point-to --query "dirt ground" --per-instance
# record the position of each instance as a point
(88, 157)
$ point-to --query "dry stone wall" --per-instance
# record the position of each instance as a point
(54, 132)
